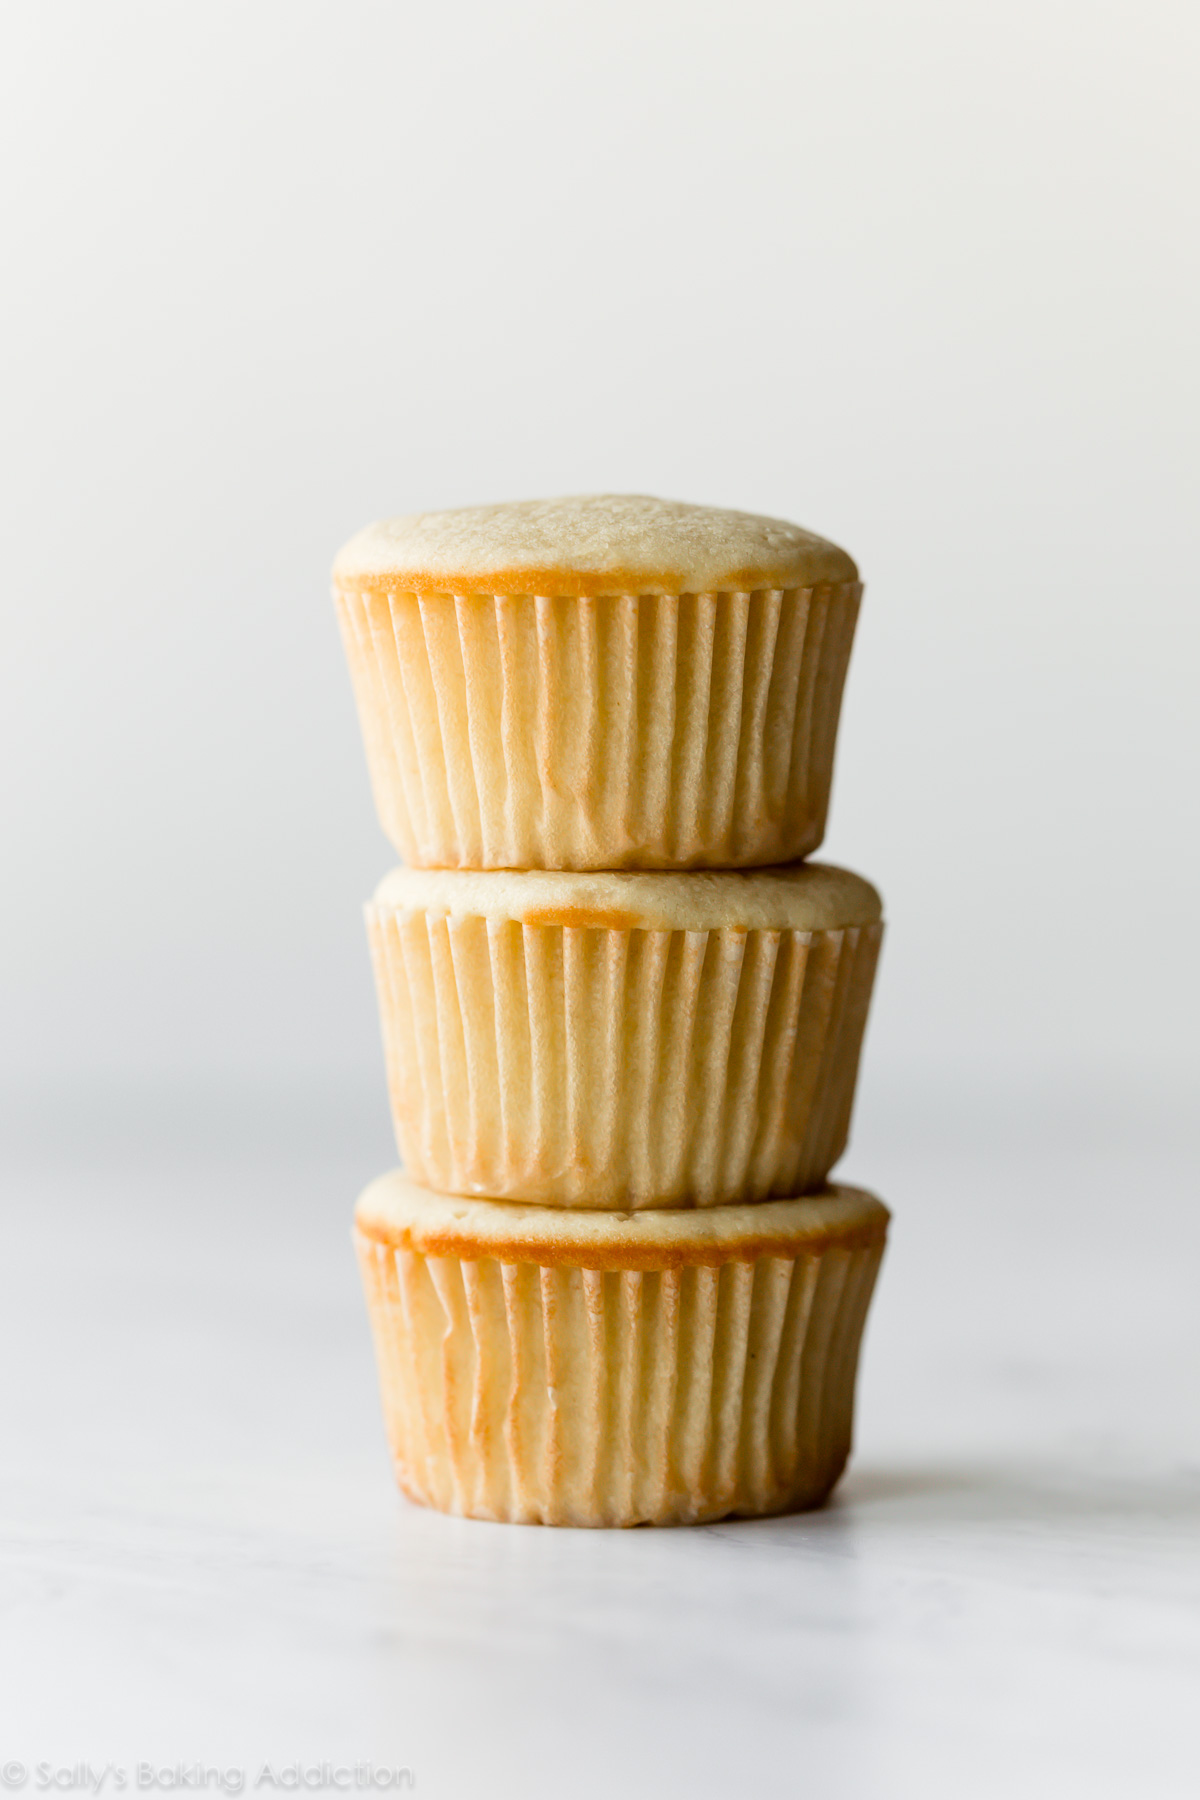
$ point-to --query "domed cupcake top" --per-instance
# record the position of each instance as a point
(394, 1210)
(803, 897)
(587, 545)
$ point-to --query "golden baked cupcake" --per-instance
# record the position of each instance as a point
(609, 682)
(575, 1368)
(623, 1040)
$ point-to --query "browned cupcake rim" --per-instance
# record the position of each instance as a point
(535, 1237)
(569, 584)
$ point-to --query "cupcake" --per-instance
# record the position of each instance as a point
(611, 682)
(574, 1368)
(622, 1040)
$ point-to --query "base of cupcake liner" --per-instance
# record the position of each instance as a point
(545, 1366)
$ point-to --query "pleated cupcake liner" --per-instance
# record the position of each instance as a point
(631, 731)
(599, 1067)
(562, 1394)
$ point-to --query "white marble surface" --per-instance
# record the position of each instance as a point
(203, 1557)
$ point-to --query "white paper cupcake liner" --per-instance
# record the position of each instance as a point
(569, 1369)
(629, 731)
(579, 1066)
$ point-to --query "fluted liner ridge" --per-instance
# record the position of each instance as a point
(629, 731)
(574, 1396)
(592, 1066)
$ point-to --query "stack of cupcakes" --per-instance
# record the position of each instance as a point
(621, 1017)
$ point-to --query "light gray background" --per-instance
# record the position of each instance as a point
(923, 277)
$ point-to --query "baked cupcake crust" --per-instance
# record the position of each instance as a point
(802, 897)
(588, 545)
(396, 1212)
